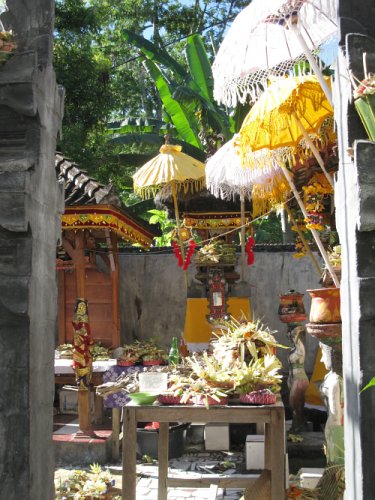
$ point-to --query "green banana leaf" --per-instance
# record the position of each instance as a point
(125, 129)
(214, 115)
(183, 124)
(153, 53)
(140, 121)
(200, 67)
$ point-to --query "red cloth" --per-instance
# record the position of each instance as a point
(250, 250)
(152, 426)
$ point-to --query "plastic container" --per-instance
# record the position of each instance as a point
(147, 441)
(153, 382)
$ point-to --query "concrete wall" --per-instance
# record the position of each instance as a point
(153, 295)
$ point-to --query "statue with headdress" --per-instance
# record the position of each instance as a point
(82, 345)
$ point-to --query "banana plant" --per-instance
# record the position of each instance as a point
(186, 94)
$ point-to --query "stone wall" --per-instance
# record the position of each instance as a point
(153, 294)
(355, 219)
(30, 203)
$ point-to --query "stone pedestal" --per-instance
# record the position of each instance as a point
(329, 336)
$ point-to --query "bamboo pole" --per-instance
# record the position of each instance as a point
(313, 231)
(304, 242)
(243, 231)
(313, 148)
(293, 28)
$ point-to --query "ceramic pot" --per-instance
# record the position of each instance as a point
(291, 308)
(325, 305)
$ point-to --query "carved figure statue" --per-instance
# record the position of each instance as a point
(332, 392)
(82, 344)
(297, 380)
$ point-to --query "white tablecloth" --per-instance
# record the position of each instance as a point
(63, 366)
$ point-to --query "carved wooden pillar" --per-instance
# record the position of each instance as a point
(74, 244)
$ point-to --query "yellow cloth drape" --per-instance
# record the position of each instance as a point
(312, 395)
(198, 329)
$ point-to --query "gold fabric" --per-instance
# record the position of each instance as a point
(198, 329)
(312, 394)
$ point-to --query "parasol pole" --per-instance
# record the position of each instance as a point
(303, 239)
(313, 148)
(313, 231)
(292, 25)
(243, 231)
(177, 215)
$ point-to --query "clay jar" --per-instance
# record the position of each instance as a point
(325, 305)
(291, 308)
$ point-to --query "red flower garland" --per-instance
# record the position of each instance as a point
(250, 250)
(189, 254)
(177, 251)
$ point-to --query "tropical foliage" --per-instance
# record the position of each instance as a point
(105, 80)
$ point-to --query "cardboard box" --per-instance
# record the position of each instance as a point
(216, 437)
(68, 399)
(255, 452)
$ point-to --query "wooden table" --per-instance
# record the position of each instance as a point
(272, 416)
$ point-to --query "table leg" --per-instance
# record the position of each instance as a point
(267, 446)
(163, 445)
(129, 455)
(277, 448)
(98, 409)
(116, 419)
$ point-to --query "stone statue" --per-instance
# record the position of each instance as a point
(82, 344)
(332, 393)
(297, 380)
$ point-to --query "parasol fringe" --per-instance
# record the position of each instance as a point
(165, 191)
(266, 196)
(229, 192)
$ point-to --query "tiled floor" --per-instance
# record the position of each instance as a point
(191, 465)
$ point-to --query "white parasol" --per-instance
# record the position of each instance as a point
(268, 38)
(226, 177)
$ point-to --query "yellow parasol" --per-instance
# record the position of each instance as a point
(171, 168)
(288, 111)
